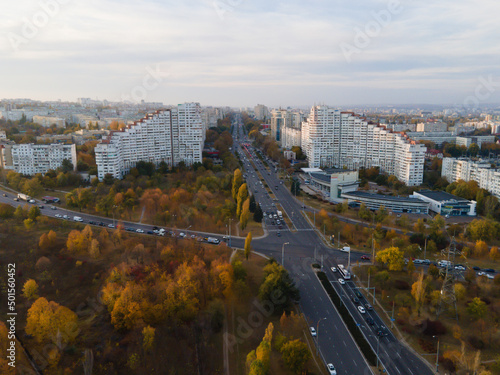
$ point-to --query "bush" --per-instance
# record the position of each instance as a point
(434, 327)
(427, 346)
(476, 342)
(448, 364)
(401, 285)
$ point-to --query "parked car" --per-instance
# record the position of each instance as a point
(101, 224)
(4, 194)
(313, 331)
(476, 268)
(111, 226)
(460, 267)
(489, 270)
(278, 234)
(58, 216)
(361, 309)
(53, 208)
(150, 232)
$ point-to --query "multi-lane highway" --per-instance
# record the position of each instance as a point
(298, 245)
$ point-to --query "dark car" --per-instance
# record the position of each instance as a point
(278, 234)
(368, 307)
(101, 224)
(355, 300)
(92, 222)
(4, 194)
(370, 321)
(489, 270)
(365, 257)
(155, 228)
(41, 207)
(358, 294)
(150, 232)
(382, 332)
(476, 268)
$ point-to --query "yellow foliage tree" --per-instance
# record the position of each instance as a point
(392, 257)
(237, 181)
(241, 198)
(49, 320)
(494, 254)
(245, 214)
(418, 291)
(481, 249)
(148, 337)
(248, 245)
(30, 289)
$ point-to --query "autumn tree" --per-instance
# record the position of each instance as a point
(245, 214)
(477, 308)
(295, 355)
(30, 289)
(392, 257)
(481, 249)
(241, 198)
(148, 338)
(278, 287)
(49, 320)
(494, 254)
(237, 182)
(248, 245)
(418, 291)
(79, 198)
(34, 213)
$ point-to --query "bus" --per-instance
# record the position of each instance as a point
(344, 272)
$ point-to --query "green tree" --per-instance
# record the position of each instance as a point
(79, 198)
(278, 287)
(248, 245)
(381, 214)
(295, 187)
(34, 212)
(477, 308)
(66, 166)
(295, 355)
(392, 257)
(258, 215)
(32, 187)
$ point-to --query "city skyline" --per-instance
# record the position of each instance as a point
(241, 53)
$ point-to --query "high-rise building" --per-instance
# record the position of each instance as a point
(30, 159)
(465, 169)
(170, 136)
(331, 138)
(261, 112)
(286, 127)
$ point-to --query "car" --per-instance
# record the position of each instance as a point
(150, 232)
(32, 201)
(182, 235)
(341, 281)
(491, 277)
(368, 307)
(111, 226)
(155, 228)
(365, 257)
(41, 206)
(101, 224)
(370, 320)
(16, 199)
(355, 300)
(358, 294)
(460, 267)
(4, 194)
(66, 217)
(476, 268)
(193, 236)
(278, 234)
(489, 270)
(333, 269)
(331, 369)
(361, 309)
(270, 216)
(382, 331)
(92, 222)
(481, 274)
(53, 208)
(139, 230)
(313, 331)
(280, 226)
(58, 216)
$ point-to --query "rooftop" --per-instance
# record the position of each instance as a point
(365, 195)
(440, 196)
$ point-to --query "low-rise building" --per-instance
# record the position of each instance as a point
(332, 183)
(48, 121)
(432, 127)
(447, 204)
(475, 139)
(391, 203)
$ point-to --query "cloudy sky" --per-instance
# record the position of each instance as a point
(244, 52)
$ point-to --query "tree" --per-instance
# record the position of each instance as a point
(34, 212)
(248, 245)
(245, 214)
(48, 320)
(66, 166)
(481, 249)
(392, 257)
(410, 267)
(278, 287)
(258, 214)
(381, 214)
(32, 187)
(477, 308)
(494, 254)
(237, 182)
(459, 291)
(94, 248)
(30, 289)
(148, 338)
(253, 204)
(241, 198)
(295, 355)
(418, 291)
(295, 187)
(5, 369)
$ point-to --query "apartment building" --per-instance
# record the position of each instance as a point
(286, 127)
(261, 112)
(465, 169)
(331, 138)
(48, 121)
(432, 127)
(171, 135)
(30, 159)
(476, 139)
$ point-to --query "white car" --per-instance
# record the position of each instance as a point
(182, 235)
(461, 268)
(341, 281)
(59, 216)
(31, 201)
(491, 277)
(361, 309)
(331, 369)
(334, 269)
(313, 331)
(139, 230)
(111, 226)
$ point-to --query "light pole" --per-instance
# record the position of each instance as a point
(283, 253)
(437, 355)
(317, 334)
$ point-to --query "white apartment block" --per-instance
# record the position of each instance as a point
(432, 127)
(261, 112)
(30, 159)
(48, 121)
(171, 135)
(454, 169)
(331, 138)
(286, 127)
(477, 139)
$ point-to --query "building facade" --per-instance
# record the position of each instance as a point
(455, 169)
(331, 138)
(48, 121)
(394, 204)
(261, 112)
(172, 136)
(30, 159)
(432, 127)
(478, 140)
(446, 204)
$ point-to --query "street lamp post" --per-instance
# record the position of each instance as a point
(437, 355)
(317, 334)
(283, 253)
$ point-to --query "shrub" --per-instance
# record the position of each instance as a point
(427, 345)
(448, 364)
(476, 342)
(401, 285)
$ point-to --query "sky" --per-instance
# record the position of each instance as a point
(248, 52)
